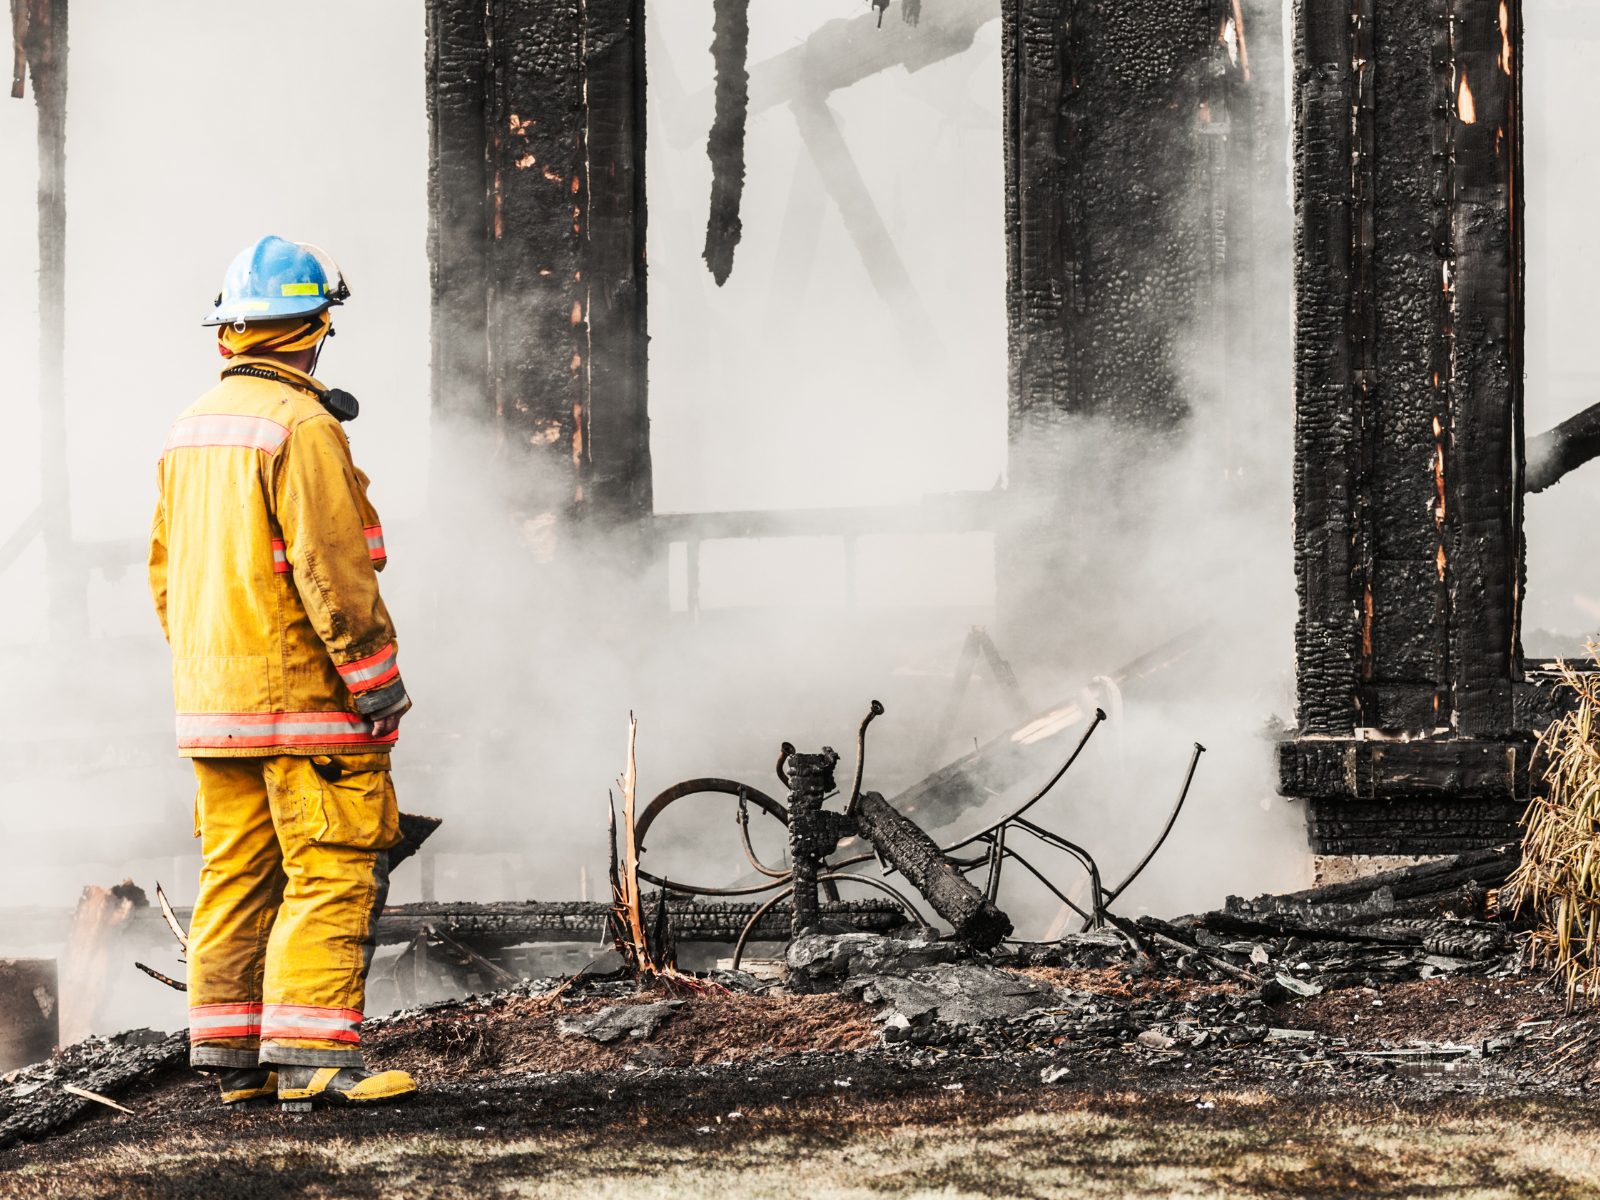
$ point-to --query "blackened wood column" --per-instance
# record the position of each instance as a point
(537, 251)
(1408, 457)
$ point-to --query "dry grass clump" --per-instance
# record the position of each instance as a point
(1559, 877)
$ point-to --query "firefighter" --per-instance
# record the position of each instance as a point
(264, 554)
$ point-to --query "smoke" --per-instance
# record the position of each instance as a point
(793, 386)
(1562, 164)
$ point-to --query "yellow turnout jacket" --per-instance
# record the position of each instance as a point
(264, 554)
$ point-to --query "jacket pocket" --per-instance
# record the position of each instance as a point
(358, 809)
(220, 685)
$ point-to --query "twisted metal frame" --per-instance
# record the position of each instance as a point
(995, 840)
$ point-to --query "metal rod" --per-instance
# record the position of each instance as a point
(749, 851)
(690, 889)
(861, 757)
(1099, 715)
(1056, 891)
(1194, 761)
(883, 887)
(997, 857)
(744, 934)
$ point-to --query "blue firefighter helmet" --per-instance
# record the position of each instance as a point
(275, 279)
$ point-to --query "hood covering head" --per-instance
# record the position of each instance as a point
(273, 337)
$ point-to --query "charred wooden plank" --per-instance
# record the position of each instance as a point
(488, 926)
(1488, 867)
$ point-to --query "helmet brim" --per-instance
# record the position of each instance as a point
(278, 309)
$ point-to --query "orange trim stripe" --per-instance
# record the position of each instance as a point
(280, 557)
(208, 1021)
(373, 671)
(226, 429)
(224, 731)
(375, 550)
(310, 1021)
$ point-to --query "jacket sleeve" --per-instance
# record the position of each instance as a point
(157, 561)
(322, 513)
(371, 526)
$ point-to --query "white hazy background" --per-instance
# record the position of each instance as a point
(787, 388)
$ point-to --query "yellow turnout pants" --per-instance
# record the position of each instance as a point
(296, 872)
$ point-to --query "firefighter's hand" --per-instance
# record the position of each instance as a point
(383, 727)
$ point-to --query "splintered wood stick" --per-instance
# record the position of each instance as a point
(160, 978)
(96, 1097)
(172, 919)
(630, 876)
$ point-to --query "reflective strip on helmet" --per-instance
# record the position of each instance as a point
(373, 671)
(302, 289)
(225, 731)
(309, 1021)
(248, 306)
(223, 1020)
(280, 558)
(375, 548)
(226, 429)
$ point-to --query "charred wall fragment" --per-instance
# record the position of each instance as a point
(537, 248)
(1408, 456)
(1132, 241)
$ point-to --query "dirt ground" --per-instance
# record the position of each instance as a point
(758, 1096)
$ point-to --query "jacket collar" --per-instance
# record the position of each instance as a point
(288, 374)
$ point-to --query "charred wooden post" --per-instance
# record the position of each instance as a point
(1131, 276)
(813, 833)
(30, 1011)
(915, 855)
(1408, 457)
(537, 249)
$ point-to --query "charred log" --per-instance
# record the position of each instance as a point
(915, 855)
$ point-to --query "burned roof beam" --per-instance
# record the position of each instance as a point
(1556, 452)
(865, 225)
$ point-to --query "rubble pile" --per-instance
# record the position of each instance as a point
(1412, 923)
(1407, 976)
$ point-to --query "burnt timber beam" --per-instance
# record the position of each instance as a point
(1408, 425)
(1555, 452)
(537, 249)
(507, 923)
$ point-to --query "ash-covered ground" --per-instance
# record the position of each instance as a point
(876, 1070)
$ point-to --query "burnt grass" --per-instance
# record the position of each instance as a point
(734, 1071)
